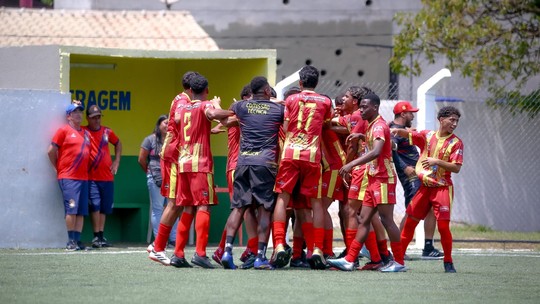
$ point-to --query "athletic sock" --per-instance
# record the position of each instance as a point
(229, 243)
(428, 245)
(202, 227)
(397, 249)
(162, 237)
(328, 242)
(96, 234)
(298, 242)
(182, 234)
(100, 235)
(253, 244)
(352, 253)
(223, 239)
(309, 235)
(76, 236)
(382, 245)
(71, 235)
(407, 233)
(350, 234)
(279, 232)
(371, 245)
(446, 240)
(261, 250)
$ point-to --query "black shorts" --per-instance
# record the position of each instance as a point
(254, 185)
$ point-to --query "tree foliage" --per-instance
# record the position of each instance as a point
(494, 42)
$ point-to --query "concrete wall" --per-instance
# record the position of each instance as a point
(32, 213)
(36, 67)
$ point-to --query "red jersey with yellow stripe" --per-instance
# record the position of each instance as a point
(305, 112)
(194, 137)
(233, 141)
(169, 151)
(333, 156)
(449, 149)
(73, 153)
(100, 156)
(382, 166)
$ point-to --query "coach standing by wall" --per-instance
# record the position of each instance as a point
(101, 173)
(69, 153)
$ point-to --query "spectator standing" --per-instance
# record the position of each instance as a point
(101, 173)
(69, 153)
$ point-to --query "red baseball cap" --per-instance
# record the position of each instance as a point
(404, 106)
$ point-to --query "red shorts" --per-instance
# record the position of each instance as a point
(299, 202)
(230, 183)
(379, 192)
(169, 171)
(332, 185)
(197, 189)
(306, 173)
(359, 183)
(440, 198)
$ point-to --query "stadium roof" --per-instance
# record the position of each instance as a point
(145, 30)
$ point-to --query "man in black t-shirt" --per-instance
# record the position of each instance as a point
(260, 120)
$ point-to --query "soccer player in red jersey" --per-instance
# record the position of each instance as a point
(441, 155)
(69, 153)
(305, 114)
(169, 170)
(380, 192)
(333, 157)
(195, 181)
(233, 142)
(101, 174)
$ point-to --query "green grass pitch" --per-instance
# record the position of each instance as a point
(126, 275)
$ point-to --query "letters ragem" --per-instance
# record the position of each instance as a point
(105, 100)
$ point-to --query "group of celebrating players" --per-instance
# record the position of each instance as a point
(293, 158)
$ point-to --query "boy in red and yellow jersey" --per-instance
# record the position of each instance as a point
(380, 192)
(305, 114)
(441, 155)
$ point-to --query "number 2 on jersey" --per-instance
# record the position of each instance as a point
(187, 125)
(311, 107)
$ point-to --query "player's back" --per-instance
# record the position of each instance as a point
(306, 112)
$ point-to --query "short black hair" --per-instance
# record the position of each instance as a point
(291, 91)
(198, 83)
(448, 111)
(373, 98)
(359, 92)
(338, 100)
(246, 91)
(186, 78)
(309, 75)
(258, 84)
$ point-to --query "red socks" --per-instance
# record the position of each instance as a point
(383, 247)
(182, 233)
(253, 244)
(328, 242)
(397, 249)
(407, 233)
(350, 234)
(298, 243)
(162, 237)
(353, 251)
(371, 245)
(308, 231)
(223, 239)
(279, 232)
(446, 239)
(202, 226)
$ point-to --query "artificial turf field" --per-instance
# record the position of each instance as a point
(126, 275)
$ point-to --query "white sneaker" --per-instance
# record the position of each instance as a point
(393, 266)
(160, 257)
(150, 247)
